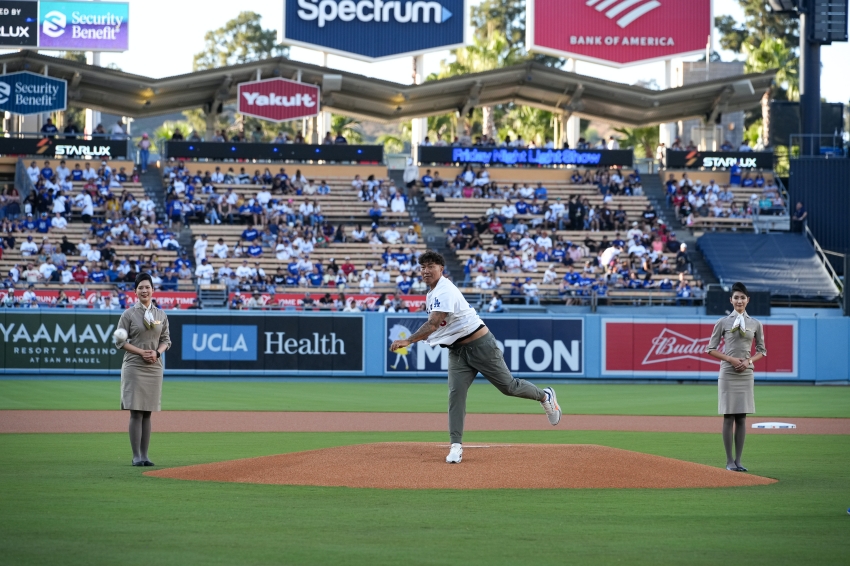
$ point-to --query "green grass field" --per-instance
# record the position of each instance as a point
(603, 399)
(75, 499)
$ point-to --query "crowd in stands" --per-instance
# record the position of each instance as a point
(257, 136)
(693, 199)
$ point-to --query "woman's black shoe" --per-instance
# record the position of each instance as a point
(148, 463)
(138, 463)
(742, 469)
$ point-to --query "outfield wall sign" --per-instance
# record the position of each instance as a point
(618, 32)
(530, 346)
(28, 93)
(278, 100)
(18, 24)
(374, 30)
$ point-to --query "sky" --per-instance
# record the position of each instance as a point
(165, 34)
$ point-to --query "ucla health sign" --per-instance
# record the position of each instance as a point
(84, 26)
(372, 30)
(29, 93)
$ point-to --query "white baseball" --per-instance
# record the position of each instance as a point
(120, 335)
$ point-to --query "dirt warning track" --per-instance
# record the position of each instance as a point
(238, 421)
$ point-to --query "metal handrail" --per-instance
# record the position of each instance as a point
(821, 255)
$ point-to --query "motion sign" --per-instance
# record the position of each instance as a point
(618, 32)
(374, 30)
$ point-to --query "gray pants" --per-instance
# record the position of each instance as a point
(481, 355)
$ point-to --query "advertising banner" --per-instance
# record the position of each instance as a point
(661, 349)
(60, 148)
(18, 24)
(372, 30)
(719, 159)
(271, 344)
(279, 100)
(533, 347)
(164, 299)
(534, 157)
(54, 340)
(28, 93)
(84, 26)
(275, 151)
(364, 302)
(618, 32)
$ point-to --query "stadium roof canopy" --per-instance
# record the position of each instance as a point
(530, 84)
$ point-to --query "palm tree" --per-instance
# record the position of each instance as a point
(771, 54)
(641, 140)
(533, 124)
(348, 127)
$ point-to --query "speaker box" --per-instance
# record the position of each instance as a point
(717, 303)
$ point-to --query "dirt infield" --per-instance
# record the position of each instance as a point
(415, 465)
(236, 421)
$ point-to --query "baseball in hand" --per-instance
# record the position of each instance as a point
(120, 335)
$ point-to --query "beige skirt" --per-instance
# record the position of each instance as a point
(735, 393)
(141, 386)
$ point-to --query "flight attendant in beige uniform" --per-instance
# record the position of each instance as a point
(141, 372)
(735, 383)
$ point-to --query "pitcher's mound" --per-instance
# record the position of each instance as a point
(415, 465)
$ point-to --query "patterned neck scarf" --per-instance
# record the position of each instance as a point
(740, 324)
(149, 318)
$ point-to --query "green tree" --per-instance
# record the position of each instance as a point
(166, 130)
(348, 127)
(240, 40)
(533, 124)
(642, 140)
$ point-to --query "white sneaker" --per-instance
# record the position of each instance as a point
(455, 454)
(550, 405)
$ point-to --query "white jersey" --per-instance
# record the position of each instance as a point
(462, 319)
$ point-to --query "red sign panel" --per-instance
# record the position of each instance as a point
(632, 348)
(278, 100)
(165, 299)
(414, 302)
(618, 32)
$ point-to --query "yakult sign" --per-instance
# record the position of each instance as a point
(278, 100)
(633, 348)
(618, 32)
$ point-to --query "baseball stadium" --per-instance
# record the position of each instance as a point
(424, 282)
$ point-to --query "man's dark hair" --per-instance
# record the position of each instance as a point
(740, 288)
(430, 256)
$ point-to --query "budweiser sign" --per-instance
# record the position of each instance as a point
(661, 349)
(618, 32)
(278, 100)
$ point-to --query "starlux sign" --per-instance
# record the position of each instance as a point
(618, 32)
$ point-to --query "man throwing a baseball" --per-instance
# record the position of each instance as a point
(453, 324)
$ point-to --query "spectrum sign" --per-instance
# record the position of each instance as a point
(84, 26)
(374, 30)
(618, 32)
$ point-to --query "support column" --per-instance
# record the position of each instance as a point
(573, 125)
(324, 124)
(419, 126)
(668, 132)
(809, 86)
(92, 116)
(210, 123)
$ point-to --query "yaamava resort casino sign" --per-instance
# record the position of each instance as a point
(279, 100)
(618, 32)
(374, 30)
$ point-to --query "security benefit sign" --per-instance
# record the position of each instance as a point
(268, 345)
(372, 30)
(28, 93)
(676, 348)
(84, 26)
(533, 347)
(18, 23)
(278, 100)
(618, 32)
(54, 341)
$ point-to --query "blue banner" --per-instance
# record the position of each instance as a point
(371, 30)
(552, 347)
(28, 93)
(527, 156)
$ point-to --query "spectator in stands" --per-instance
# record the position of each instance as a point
(496, 304)
(745, 146)
(530, 290)
(29, 248)
(177, 135)
(49, 129)
(144, 146)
